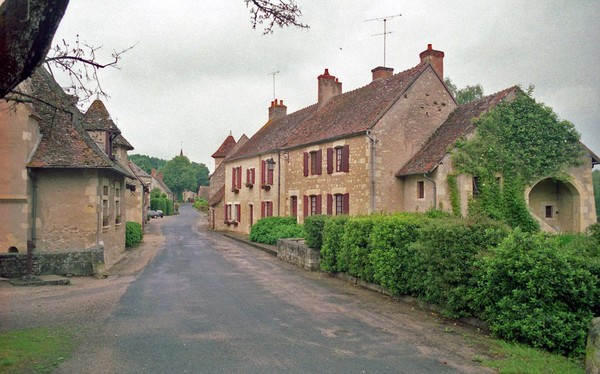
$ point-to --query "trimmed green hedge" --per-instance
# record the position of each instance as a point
(314, 226)
(533, 288)
(133, 234)
(269, 229)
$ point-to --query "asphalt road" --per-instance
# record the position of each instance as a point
(208, 304)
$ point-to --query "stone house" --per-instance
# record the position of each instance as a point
(380, 148)
(59, 192)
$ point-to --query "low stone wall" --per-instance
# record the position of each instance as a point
(592, 352)
(296, 252)
(84, 262)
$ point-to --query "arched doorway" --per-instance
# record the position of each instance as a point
(556, 205)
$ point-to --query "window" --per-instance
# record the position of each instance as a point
(105, 207)
(420, 189)
(476, 186)
(312, 205)
(338, 204)
(236, 178)
(312, 163)
(549, 211)
(266, 174)
(266, 209)
(228, 215)
(117, 205)
(294, 206)
(238, 212)
(338, 159)
(250, 175)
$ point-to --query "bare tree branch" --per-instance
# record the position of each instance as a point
(280, 13)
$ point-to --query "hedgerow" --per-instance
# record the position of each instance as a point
(313, 226)
(268, 230)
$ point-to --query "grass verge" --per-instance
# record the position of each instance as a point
(512, 358)
(36, 350)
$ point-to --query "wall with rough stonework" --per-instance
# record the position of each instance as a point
(19, 135)
(592, 352)
(402, 132)
(296, 252)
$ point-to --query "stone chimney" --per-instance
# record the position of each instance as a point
(382, 72)
(277, 109)
(329, 86)
(153, 172)
(435, 58)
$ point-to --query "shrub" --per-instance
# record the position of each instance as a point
(133, 234)
(443, 270)
(390, 255)
(269, 229)
(333, 231)
(313, 226)
(534, 289)
(354, 255)
(201, 205)
(168, 207)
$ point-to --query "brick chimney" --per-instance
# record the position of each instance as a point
(435, 58)
(382, 72)
(153, 172)
(277, 109)
(329, 86)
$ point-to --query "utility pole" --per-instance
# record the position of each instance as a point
(385, 32)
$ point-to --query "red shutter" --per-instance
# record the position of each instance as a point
(306, 164)
(305, 206)
(269, 209)
(239, 177)
(346, 203)
(251, 215)
(248, 176)
(329, 160)
(262, 209)
(253, 175)
(226, 218)
(319, 161)
(318, 204)
(263, 176)
(329, 204)
(232, 179)
(270, 177)
(239, 212)
(346, 158)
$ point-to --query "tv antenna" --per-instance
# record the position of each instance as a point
(385, 32)
(273, 74)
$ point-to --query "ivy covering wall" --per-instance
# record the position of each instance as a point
(516, 143)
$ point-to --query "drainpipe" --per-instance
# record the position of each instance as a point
(278, 182)
(373, 142)
(434, 190)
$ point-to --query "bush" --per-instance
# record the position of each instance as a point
(443, 271)
(168, 207)
(133, 234)
(534, 289)
(333, 231)
(354, 255)
(201, 205)
(269, 229)
(391, 255)
(313, 226)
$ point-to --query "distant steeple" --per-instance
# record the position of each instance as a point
(181, 152)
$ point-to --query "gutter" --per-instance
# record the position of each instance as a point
(373, 152)
(434, 190)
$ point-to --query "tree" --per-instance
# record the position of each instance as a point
(201, 174)
(28, 26)
(147, 163)
(179, 175)
(464, 95)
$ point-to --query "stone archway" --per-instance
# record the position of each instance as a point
(556, 205)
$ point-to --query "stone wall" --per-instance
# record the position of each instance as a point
(296, 252)
(84, 262)
(592, 354)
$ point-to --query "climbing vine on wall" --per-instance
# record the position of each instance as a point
(516, 143)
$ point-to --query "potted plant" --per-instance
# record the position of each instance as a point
(118, 219)
(105, 220)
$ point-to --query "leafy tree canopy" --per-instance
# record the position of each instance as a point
(201, 174)
(179, 175)
(464, 95)
(147, 163)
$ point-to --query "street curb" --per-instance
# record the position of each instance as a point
(270, 249)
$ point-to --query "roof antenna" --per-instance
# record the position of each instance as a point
(273, 74)
(385, 32)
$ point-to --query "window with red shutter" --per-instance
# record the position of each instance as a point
(269, 209)
(329, 160)
(420, 189)
(346, 204)
(319, 204)
(263, 173)
(305, 164)
(345, 164)
(239, 177)
(305, 205)
(319, 162)
(270, 176)
(294, 206)
(253, 175)
(329, 203)
(262, 209)
(238, 212)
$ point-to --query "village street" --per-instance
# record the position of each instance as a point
(208, 304)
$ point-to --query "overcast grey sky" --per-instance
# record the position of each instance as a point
(199, 71)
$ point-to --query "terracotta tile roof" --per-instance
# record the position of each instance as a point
(224, 149)
(218, 196)
(98, 118)
(64, 143)
(121, 141)
(350, 113)
(459, 123)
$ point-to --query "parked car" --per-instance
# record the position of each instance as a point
(155, 213)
